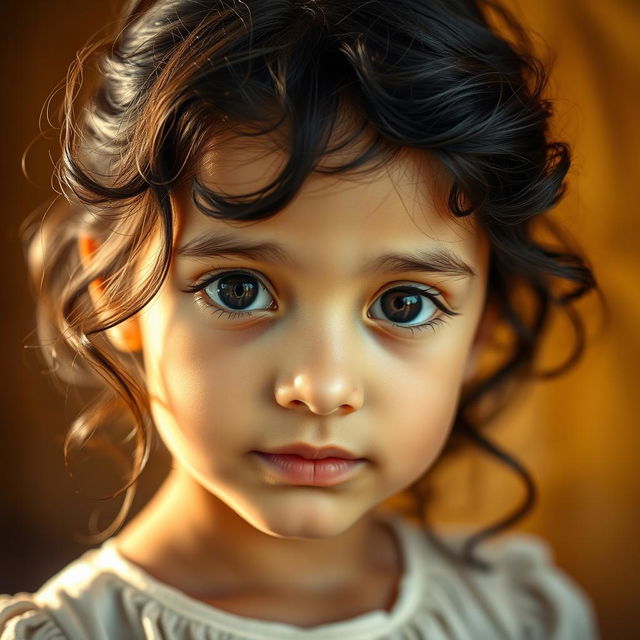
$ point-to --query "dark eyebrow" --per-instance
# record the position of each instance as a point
(436, 260)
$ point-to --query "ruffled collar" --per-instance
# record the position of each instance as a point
(410, 594)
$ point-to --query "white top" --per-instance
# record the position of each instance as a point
(103, 596)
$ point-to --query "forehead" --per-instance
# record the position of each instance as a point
(401, 205)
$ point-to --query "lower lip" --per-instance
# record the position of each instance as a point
(324, 472)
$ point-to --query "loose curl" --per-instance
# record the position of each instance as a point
(434, 76)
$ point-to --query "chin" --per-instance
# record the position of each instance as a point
(303, 523)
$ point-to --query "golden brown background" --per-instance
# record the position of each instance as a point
(579, 434)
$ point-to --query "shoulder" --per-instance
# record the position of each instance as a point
(526, 591)
(545, 593)
(81, 601)
(21, 618)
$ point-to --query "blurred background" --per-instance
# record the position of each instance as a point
(578, 435)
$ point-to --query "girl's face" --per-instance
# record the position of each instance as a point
(312, 354)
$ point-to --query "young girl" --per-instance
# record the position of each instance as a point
(297, 238)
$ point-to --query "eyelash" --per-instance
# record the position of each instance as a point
(209, 278)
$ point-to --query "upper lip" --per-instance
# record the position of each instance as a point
(314, 453)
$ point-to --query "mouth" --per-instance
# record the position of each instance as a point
(298, 470)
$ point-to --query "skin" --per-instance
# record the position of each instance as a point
(316, 369)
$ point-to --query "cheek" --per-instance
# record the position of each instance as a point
(420, 406)
(202, 392)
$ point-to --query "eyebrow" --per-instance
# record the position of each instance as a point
(434, 260)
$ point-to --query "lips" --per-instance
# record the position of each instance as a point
(303, 464)
(292, 469)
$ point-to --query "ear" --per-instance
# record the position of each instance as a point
(483, 332)
(126, 336)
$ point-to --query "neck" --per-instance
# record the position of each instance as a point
(210, 542)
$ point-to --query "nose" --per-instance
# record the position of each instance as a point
(322, 394)
(319, 368)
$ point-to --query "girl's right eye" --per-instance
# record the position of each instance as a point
(237, 291)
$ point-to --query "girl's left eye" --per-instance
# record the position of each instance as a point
(237, 291)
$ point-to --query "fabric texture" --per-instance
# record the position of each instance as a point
(103, 596)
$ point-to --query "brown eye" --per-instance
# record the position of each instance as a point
(236, 291)
(410, 304)
(401, 306)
